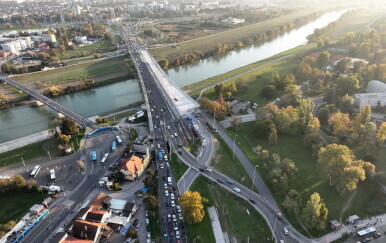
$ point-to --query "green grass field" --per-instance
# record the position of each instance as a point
(224, 162)
(177, 166)
(28, 152)
(87, 50)
(307, 180)
(354, 22)
(209, 42)
(93, 69)
(231, 210)
(15, 205)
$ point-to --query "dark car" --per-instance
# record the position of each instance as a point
(135, 222)
(252, 201)
(167, 205)
(164, 178)
(221, 181)
(164, 220)
(202, 170)
(180, 145)
(179, 152)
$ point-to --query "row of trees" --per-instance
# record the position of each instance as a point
(84, 83)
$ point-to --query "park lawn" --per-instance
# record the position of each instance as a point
(28, 152)
(177, 166)
(87, 50)
(204, 228)
(229, 37)
(231, 210)
(15, 205)
(153, 224)
(306, 181)
(224, 162)
(354, 22)
(75, 139)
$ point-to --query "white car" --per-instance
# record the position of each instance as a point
(173, 203)
(177, 234)
(180, 216)
(281, 241)
(161, 166)
(168, 127)
(167, 164)
(172, 136)
(236, 189)
(175, 134)
(165, 186)
(174, 218)
(178, 208)
(166, 193)
(286, 231)
(209, 169)
(172, 196)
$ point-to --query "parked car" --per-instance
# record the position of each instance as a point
(286, 231)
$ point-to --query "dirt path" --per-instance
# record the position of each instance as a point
(347, 205)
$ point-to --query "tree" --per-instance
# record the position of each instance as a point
(152, 201)
(315, 212)
(347, 85)
(323, 59)
(325, 112)
(264, 128)
(313, 125)
(132, 233)
(8, 68)
(149, 181)
(272, 138)
(164, 63)
(360, 121)
(192, 204)
(305, 108)
(3, 100)
(96, 55)
(80, 165)
(369, 168)
(268, 91)
(218, 89)
(343, 65)
(54, 91)
(235, 122)
(284, 81)
(292, 201)
(346, 103)
(108, 36)
(340, 124)
(381, 135)
(69, 127)
(303, 71)
(63, 139)
(338, 163)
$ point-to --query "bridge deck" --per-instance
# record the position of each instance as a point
(49, 102)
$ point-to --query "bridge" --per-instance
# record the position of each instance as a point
(49, 102)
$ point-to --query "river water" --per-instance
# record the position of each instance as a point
(26, 120)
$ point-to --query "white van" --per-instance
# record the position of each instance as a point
(169, 180)
(158, 146)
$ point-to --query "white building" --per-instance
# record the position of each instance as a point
(375, 94)
(49, 37)
(15, 46)
(232, 21)
(80, 39)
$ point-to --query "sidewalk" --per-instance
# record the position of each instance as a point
(218, 234)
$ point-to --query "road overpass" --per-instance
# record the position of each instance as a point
(49, 102)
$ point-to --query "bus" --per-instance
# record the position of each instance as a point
(103, 160)
(119, 140)
(35, 171)
(114, 146)
(160, 156)
(52, 175)
(93, 156)
(366, 232)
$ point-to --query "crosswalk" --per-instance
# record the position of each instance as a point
(68, 203)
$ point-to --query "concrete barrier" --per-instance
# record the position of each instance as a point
(21, 142)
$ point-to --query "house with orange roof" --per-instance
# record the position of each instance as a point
(134, 166)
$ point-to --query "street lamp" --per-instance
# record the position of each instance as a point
(254, 173)
(234, 145)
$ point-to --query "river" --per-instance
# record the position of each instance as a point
(26, 120)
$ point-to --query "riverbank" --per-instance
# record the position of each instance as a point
(247, 35)
(69, 78)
